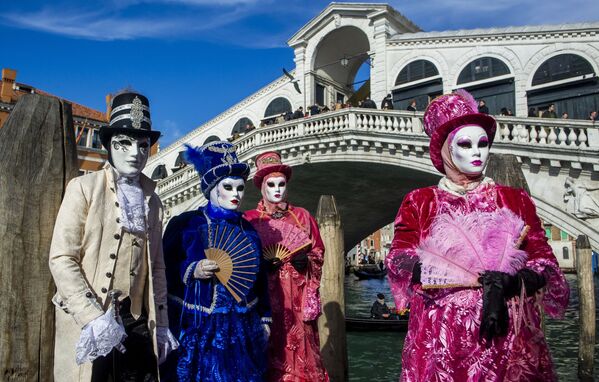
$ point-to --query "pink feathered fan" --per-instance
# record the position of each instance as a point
(281, 240)
(460, 247)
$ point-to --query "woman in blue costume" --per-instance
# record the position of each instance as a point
(222, 340)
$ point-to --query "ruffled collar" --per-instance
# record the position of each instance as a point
(275, 211)
(446, 184)
(218, 213)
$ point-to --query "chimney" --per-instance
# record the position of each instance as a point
(108, 107)
(8, 81)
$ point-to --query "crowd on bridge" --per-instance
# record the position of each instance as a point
(229, 296)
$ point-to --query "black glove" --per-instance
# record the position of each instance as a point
(274, 264)
(495, 318)
(416, 273)
(532, 281)
(300, 262)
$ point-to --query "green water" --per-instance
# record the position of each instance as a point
(377, 356)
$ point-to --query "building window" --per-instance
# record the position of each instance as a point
(96, 143)
(564, 235)
(82, 136)
(277, 107)
(417, 70)
(561, 67)
(483, 68)
(565, 253)
(548, 232)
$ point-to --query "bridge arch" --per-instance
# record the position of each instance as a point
(337, 58)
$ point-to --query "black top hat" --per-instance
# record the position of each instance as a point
(130, 114)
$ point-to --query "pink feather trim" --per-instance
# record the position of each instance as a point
(461, 246)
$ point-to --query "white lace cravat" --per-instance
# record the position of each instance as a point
(131, 200)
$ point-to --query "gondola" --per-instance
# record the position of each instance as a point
(369, 272)
(365, 324)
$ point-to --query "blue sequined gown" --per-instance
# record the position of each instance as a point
(221, 340)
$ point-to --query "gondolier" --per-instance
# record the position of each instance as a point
(107, 237)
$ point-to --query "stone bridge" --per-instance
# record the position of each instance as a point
(369, 159)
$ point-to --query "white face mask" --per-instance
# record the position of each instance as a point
(470, 149)
(276, 189)
(129, 154)
(228, 193)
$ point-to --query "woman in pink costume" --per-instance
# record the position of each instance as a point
(294, 351)
(471, 260)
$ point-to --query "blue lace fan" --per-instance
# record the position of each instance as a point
(237, 257)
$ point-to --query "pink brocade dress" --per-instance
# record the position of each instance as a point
(294, 348)
(442, 343)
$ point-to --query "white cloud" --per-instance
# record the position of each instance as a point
(104, 26)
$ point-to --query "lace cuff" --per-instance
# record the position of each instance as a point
(557, 291)
(400, 264)
(99, 337)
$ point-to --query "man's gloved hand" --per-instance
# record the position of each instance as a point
(495, 318)
(166, 343)
(300, 262)
(205, 269)
(416, 271)
(99, 337)
(274, 264)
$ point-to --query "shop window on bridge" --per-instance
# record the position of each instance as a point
(561, 67)
(565, 253)
(488, 79)
(417, 70)
(277, 107)
(242, 126)
(418, 81)
(569, 82)
(212, 138)
(482, 69)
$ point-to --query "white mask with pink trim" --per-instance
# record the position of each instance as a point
(470, 149)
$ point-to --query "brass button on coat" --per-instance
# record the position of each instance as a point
(117, 236)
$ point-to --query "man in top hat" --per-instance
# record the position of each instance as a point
(107, 239)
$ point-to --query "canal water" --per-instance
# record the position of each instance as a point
(377, 356)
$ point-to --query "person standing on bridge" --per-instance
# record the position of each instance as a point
(471, 259)
(294, 278)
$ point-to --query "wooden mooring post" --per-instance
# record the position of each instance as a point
(586, 294)
(331, 324)
(38, 157)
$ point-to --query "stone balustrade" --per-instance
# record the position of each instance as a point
(522, 136)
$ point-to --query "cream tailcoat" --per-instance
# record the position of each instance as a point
(86, 241)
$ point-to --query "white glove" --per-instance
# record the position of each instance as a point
(205, 269)
(99, 337)
(266, 328)
(166, 343)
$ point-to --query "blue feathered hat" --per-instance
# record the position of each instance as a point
(215, 161)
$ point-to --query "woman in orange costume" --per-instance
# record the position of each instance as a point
(293, 282)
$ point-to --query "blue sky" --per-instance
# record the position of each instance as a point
(195, 58)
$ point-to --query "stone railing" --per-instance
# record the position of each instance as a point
(514, 134)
